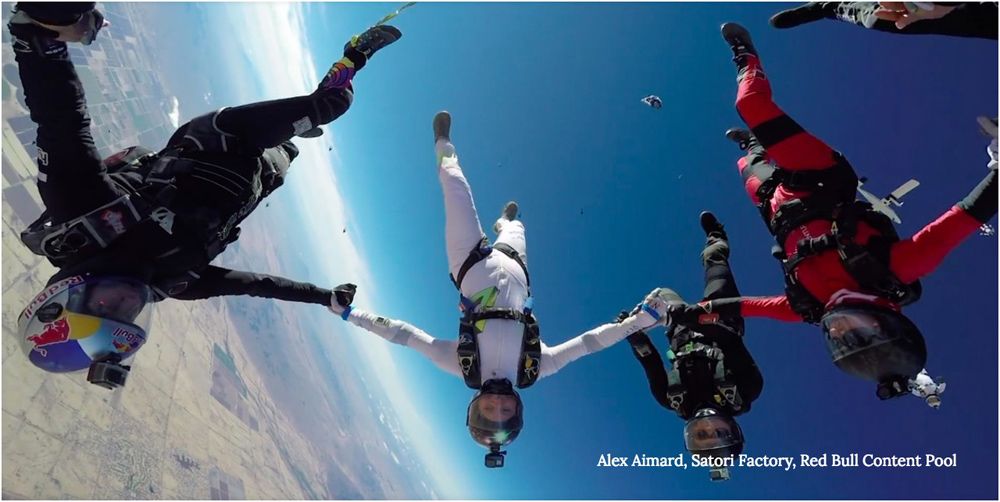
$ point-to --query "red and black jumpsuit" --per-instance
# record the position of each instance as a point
(784, 143)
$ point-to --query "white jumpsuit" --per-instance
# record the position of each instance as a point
(498, 282)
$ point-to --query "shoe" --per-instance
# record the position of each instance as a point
(739, 40)
(373, 40)
(710, 224)
(739, 136)
(508, 213)
(442, 126)
(810, 12)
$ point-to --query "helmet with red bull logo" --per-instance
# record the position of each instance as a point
(82, 319)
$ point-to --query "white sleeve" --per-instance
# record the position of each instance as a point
(441, 352)
(595, 340)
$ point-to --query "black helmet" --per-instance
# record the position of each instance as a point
(713, 434)
(873, 342)
(495, 415)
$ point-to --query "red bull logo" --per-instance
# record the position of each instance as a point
(125, 340)
(48, 293)
(54, 332)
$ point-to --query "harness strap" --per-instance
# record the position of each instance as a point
(480, 253)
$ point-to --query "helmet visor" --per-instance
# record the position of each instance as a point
(853, 328)
(495, 419)
(711, 433)
(873, 343)
(112, 298)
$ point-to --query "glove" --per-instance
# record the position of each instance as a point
(341, 298)
(653, 310)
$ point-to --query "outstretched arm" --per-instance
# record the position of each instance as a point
(218, 281)
(71, 178)
(442, 353)
(712, 312)
(595, 340)
(645, 352)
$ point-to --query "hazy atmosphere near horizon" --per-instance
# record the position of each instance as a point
(248, 398)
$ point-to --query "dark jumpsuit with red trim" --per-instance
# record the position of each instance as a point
(779, 140)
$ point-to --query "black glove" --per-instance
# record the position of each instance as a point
(344, 294)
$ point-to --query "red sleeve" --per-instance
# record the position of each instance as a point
(910, 259)
(775, 307)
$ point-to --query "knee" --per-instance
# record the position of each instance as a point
(337, 102)
(755, 106)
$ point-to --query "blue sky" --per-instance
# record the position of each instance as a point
(545, 100)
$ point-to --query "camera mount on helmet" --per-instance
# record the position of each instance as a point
(108, 372)
(494, 459)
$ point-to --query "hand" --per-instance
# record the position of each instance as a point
(653, 309)
(899, 13)
(340, 300)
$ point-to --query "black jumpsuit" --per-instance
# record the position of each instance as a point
(227, 162)
(727, 335)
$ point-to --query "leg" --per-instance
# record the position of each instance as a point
(269, 123)
(973, 19)
(754, 167)
(786, 142)
(652, 365)
(719, 280)
(463, 232)
(510, 231)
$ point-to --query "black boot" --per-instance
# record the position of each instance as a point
(739, 136)
(739, 41)
(442, 126)
(710, 224)
(812, 11)
(370, 42)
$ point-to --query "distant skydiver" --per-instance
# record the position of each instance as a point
(139, 227)
(653, 101)
(498, 346)
(845, 267)
(711, 376)
(959, 19)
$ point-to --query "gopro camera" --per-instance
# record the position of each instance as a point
(108, 373)
(888, 389)
(494, 459)
(719, 474)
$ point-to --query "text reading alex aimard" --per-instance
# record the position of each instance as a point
(787, 463)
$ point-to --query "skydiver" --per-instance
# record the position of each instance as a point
(498, 347)
(959, 19)
(711, 377)
(852, 278)
(140, 227)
